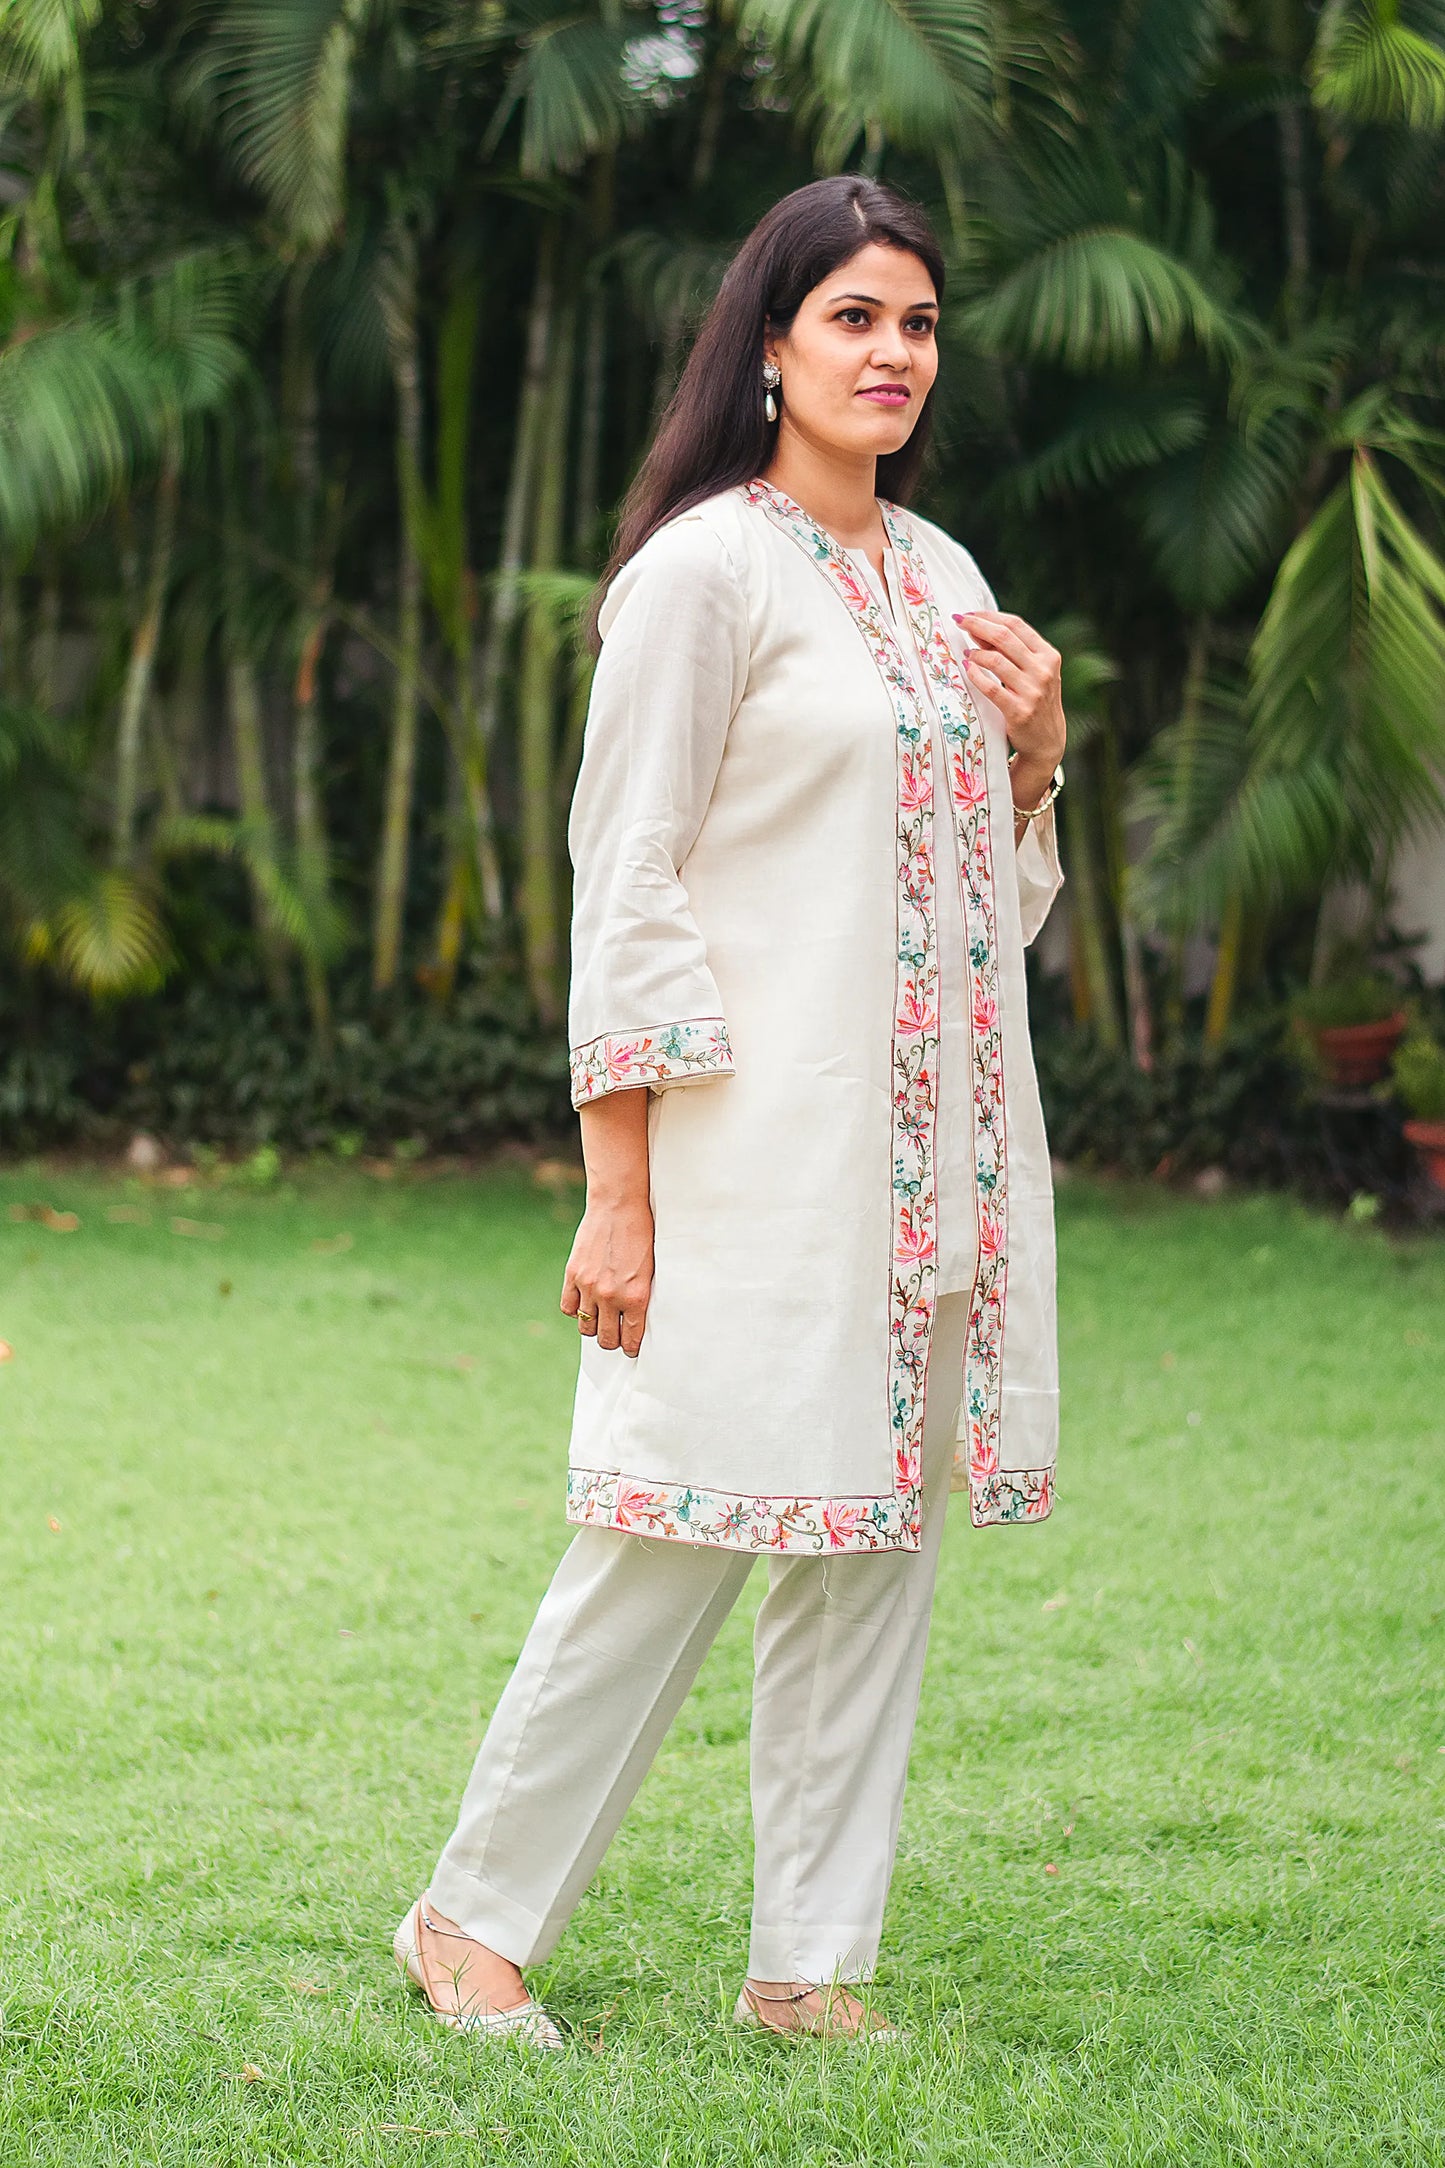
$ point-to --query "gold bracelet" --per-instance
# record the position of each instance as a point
(1056, 784)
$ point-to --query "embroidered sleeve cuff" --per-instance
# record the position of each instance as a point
(685, 1053)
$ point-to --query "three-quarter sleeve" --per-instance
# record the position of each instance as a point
(644, 1007)
(1040, 876)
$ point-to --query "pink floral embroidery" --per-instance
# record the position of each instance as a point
(993, 1496)
(620, 1061)
(728, 1521)
(841, 1522)
(914, 1272)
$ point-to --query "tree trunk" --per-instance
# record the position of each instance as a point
(1295, 211)
(592, 394)
(12, 642)
(1087, 914)
(392, 865)
(527, 446)
(537, 702)
(714, 106)
(145, 639)
(315, 537)
(45, 650)
(248, 734)
(454, 599)
(1225, 982)
(1116, 860)
(313, 847)
(1191, 707)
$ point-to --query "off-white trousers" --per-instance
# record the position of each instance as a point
(621, 1633)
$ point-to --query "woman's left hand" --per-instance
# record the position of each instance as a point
(1015, 668)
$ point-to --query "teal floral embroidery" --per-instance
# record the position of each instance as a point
(727, 1521)
(623, 1060)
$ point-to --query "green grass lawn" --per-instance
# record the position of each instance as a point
(276, 1507)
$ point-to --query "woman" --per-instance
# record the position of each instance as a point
(811, 834)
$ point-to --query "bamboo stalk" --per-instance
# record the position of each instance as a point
(250, 746)
(527, 447)
(1225, 981)
(1087, 915)
(537, 702)
(394, 857)
(145, 639)
(45, 648)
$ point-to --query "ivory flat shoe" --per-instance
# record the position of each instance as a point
(527, 2021)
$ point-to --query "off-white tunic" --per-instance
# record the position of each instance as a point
(756, 918)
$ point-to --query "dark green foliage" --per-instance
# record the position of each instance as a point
(222, 1065)
(1419, 1071)
(1364, 998)
(1250, 1108)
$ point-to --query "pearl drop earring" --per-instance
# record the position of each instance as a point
(772, 378)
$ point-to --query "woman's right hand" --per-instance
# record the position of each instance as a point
(608, 1282)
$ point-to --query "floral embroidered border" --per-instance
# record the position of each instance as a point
(731, 1521)
(913, 1263)
(673, 1054)
(1012, 1494)
(993, 1495)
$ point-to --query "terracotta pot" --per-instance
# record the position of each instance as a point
(1428, 1139)
(1359, 1053)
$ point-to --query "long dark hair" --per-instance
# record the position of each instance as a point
(714, 432)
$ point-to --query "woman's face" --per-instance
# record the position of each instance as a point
(861, 354)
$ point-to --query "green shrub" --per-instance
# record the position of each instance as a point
(1365, 997)
(1419, 1072)
(218, 1064)
(1239, 1107)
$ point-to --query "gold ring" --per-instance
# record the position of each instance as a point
(586, 1317)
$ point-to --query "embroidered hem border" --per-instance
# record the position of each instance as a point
(732, 1521)
(672, 1054)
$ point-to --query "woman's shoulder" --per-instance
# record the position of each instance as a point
(948, 560)
(699, 553)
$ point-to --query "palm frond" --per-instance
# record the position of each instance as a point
(1112, 431)
(1216, 511)
(572, 85)
(1346, 739)
(109, 939)
(1087, 671)
(86, 403)
(277, 74)
(667, 278)
(313, 923)
(100, 929)
(921, 70)
(40, 40)
(1164, 51)
(1098, 299)
(1369, 66)
(1095, 262)
(562, 597)
(1183, 790)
